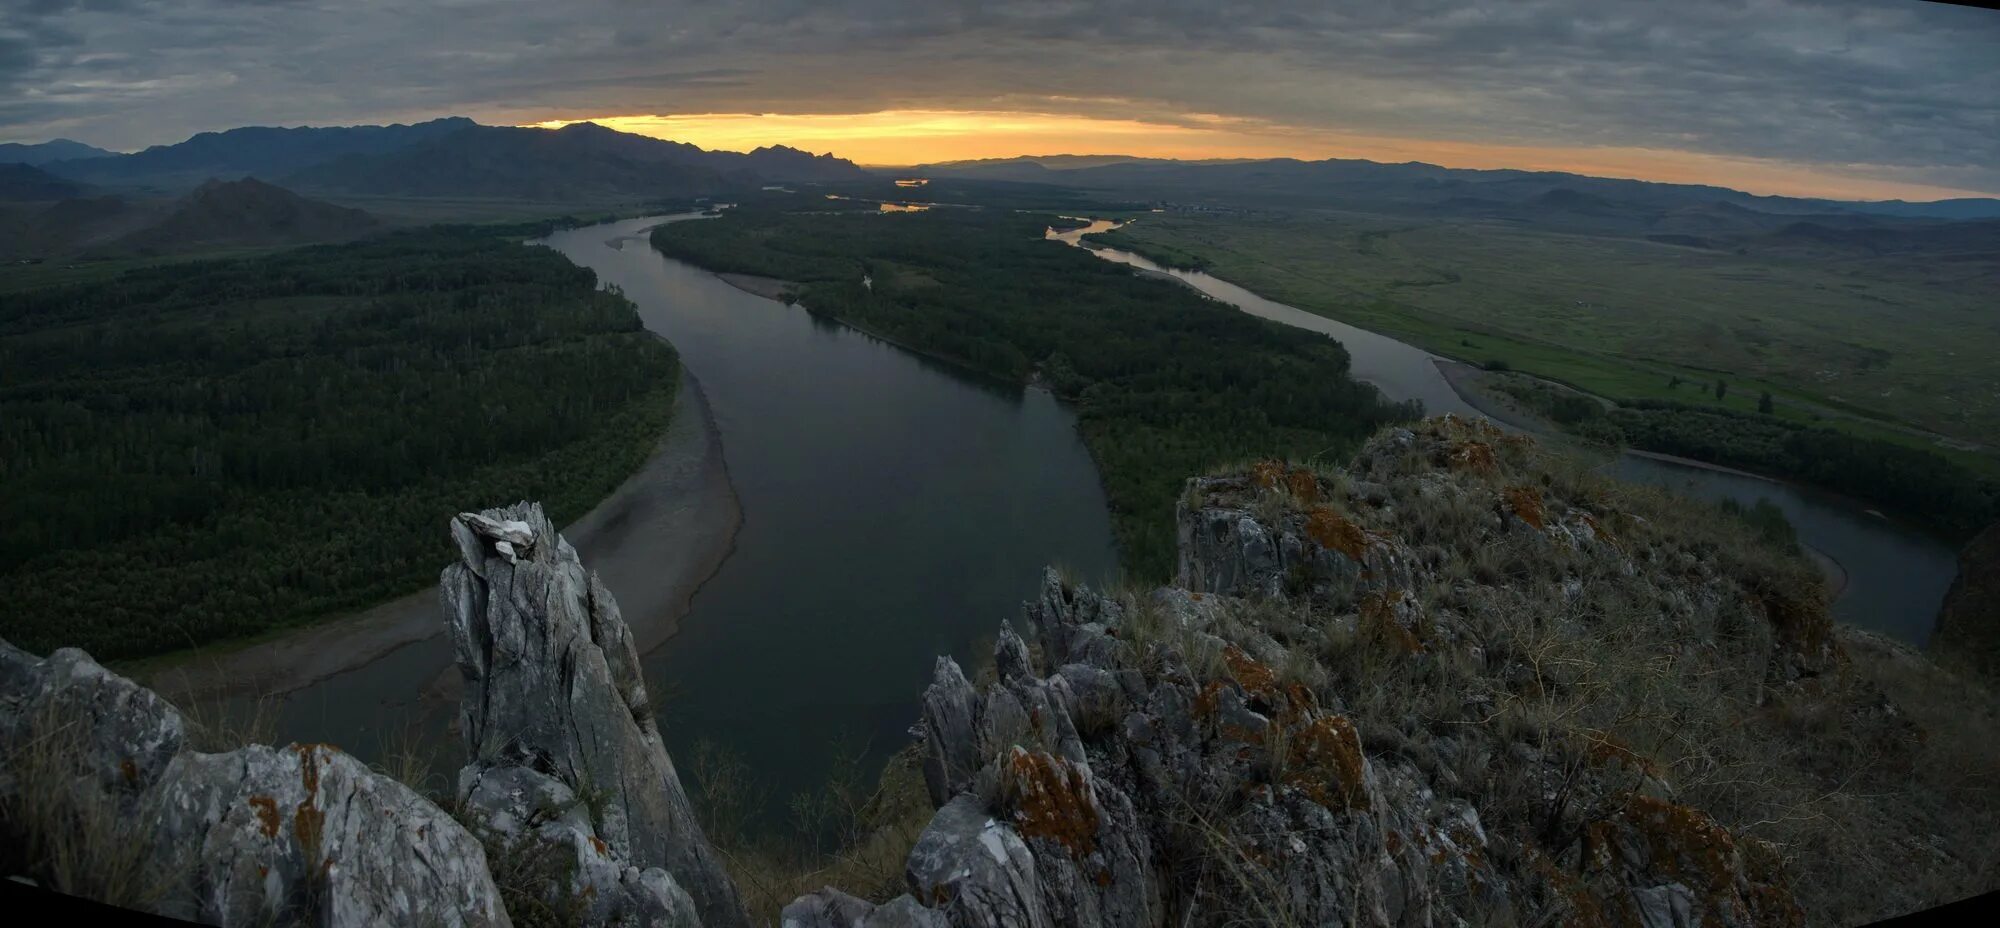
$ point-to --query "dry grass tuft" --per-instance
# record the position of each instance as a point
(65, 833)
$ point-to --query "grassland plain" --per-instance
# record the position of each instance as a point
(1882, 348)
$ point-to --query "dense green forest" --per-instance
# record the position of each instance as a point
(1917, 483)
(1166, 383)
(200, 451)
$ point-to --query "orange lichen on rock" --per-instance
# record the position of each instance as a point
(1051, 800)
(1392, 616)
(1265, 474)
(1334, 531)
(1325, 763)
(308, 821)
(598, 845)
(1257, 680)
(1685, 842)
(1300, 482)
(267, 814)
(1475, 456)
(1527, 504)
(1303, 484)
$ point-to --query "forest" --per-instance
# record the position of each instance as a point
(1925, 486)
(210, 450)
(1166, 384)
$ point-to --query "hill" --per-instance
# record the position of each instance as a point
(52, 150)
(582, 161)
(261, 150)
(246, 212)
(21, 182)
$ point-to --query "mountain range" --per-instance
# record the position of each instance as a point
(1409, 184)
(52, 150)
(454, 157)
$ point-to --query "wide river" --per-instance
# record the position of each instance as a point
(893, 510)
(1896, 575)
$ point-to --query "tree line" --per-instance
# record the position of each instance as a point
(206, 450)
(1166, 384)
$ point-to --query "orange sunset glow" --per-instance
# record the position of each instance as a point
(908, 137)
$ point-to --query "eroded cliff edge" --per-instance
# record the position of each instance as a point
(1458, 681)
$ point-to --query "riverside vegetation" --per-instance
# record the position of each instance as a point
(214, 449)
(1165, 383)
(1460, 679)
(1834, 359)
(1950, 499)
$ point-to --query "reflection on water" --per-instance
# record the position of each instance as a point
(1896, 575)
(886, 206)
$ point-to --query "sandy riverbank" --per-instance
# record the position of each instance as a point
(767, 287)
(654, 541)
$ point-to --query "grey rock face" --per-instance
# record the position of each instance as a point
(553, 686)
(256, 836)
(1185, 759)
(306, 834)
(831, 908)
(124, 735)
(532, 813)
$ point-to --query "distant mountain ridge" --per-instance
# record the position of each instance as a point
(260, 150)
(578, 161)
(455, 157)
(1415, 182)
(51, 150)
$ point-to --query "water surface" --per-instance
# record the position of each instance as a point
(894, 509)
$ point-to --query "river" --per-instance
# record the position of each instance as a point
(1895, 575)
(893, 509)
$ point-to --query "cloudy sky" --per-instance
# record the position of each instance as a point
(1861, 99)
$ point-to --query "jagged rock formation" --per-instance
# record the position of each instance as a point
(1968, 625)
(561, 736)
(1187, 757)
(304, 834)
(1452, 683)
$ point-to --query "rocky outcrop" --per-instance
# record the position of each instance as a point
(260, 835)
(1197, 756)
(562, 743)
(1448, 684)
(1968, 625)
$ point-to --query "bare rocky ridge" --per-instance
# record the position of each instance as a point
(1451, 683)
(557, 724)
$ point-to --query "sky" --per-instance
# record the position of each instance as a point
(1860, 100)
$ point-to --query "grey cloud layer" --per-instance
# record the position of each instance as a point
(1912, 89)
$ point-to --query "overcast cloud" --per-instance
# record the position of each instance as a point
(1903, 91)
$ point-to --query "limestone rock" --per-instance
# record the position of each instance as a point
(306, 834)
(256, 836)
(553, 685)
(831, 908)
